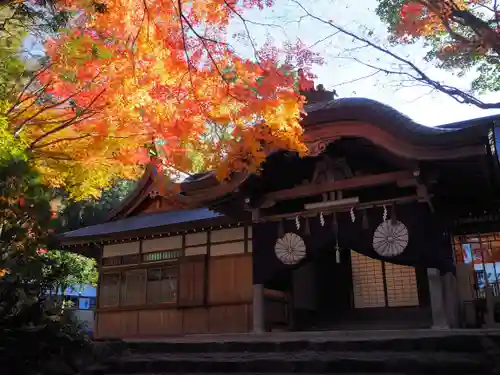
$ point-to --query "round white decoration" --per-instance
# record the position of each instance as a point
(290, 248)
(390, 239)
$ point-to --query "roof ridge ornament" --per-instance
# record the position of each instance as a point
(314, 94)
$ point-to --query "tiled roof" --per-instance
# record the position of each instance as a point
(140, 222)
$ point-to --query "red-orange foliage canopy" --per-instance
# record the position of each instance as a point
(163, 70)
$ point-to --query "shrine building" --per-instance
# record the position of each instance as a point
(385, 224)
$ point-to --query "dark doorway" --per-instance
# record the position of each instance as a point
(322, 292)
(334, 286)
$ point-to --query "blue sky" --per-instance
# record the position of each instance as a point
(419, 103)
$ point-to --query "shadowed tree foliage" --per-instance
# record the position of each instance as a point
(462, 36)
(77, 214)
(34, 337)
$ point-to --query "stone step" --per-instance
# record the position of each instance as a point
(468, 343)
(305, 361)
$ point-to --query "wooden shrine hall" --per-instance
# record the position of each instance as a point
(385, 224)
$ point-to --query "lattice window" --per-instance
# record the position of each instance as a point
(401, 282)
(162, 285)
(121, 260)
(112, 261)
(130, 259)
(368, 281)
(158, 256)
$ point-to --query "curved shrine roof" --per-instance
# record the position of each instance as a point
(384, 117)
(389, 119)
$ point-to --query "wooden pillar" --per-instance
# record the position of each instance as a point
(95, 331)
(439, 320)
(258, 309)
(258, 294)
(450, 297)
(490, 304)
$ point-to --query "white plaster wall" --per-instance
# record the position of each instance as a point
(196, 238)
(125, 248)
(230, 234)
(160, 244)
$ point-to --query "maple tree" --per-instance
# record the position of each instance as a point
(125, 74)
(461, 35)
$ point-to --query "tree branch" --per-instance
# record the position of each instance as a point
(68, 123)
(420, 76)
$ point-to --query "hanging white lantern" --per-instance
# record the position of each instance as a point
(290, 249)
(390, 239)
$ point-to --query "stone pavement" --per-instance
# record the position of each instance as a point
(314, 336)
(423, 351)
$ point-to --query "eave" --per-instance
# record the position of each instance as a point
(156, 224)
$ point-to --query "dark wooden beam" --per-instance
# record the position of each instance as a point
(347, 184)
(410, 182)
(328, 210)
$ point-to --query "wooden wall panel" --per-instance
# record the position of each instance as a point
(174, 322)
(132, 288)
(229, 248)
(160, 322)
(117, 324)
(244, 291)
(230, 279)
(109, 289)
(129, 326)
(227, 288)
(192, 281)
(196, 250)
(195, 321)
(108, 325)
(230, 318)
